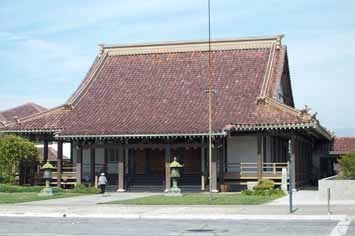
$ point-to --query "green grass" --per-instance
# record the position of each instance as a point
(199, 199)
(16, 194)
(17, 197)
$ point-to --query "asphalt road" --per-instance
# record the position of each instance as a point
(83, 226)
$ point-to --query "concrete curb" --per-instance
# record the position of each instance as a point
(180, 217)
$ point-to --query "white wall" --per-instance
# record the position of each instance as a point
(241, 149)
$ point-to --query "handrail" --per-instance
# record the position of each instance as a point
(252, 167)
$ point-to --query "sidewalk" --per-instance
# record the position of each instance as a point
(309, 197)
(86, 206)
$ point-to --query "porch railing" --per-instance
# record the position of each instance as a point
(68, 175)
(252, 167)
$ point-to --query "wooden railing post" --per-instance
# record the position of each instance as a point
(274, 168)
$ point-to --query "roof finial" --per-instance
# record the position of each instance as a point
(278, 42)
(101, 49)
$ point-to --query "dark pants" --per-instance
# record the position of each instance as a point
(102, 187)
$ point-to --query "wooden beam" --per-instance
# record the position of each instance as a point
(167, 168)
(59, 163)
(144, 146)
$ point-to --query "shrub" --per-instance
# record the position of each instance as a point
(81, 188)
(264, 192)
(347, 166)
(247, 192)
(264, 184)
(13, 151)
(57, 190)
(8, 188)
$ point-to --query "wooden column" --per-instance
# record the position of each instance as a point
(222, 156)
(259, 156)
(121, 170)
(59, 163)
(203, 168)
(79, 159)
(213, 174)
(293, 160)
(45, 150)
(92, 165)
(167, 168)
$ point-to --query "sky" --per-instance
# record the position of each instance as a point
(46, 47)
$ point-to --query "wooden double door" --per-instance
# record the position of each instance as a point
(146, 167)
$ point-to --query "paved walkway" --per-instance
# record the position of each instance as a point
(86, 206)
(309, 197)
(88, 200)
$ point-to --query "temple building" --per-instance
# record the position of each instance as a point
(141, 105)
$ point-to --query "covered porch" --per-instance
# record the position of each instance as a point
(142, 164)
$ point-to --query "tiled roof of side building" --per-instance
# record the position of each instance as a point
(20, 112)
(343, 145)
(161, 89)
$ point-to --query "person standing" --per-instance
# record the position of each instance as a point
(102, 182)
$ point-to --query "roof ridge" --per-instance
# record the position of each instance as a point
(191, 46)
(184, 42)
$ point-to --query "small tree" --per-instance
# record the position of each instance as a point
(13, 151)
(347, 166)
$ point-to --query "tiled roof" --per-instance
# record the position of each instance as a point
(161, 89)
(343, 145)
(20, 112)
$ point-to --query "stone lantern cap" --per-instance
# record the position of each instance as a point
(48, 166)
(175, 164)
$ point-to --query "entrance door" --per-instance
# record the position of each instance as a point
(146, 167)
(112, 166)
(191, 172)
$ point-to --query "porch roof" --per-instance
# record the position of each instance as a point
(160, 89)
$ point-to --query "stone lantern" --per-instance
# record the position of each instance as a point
(175, 167)
(47, 176)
